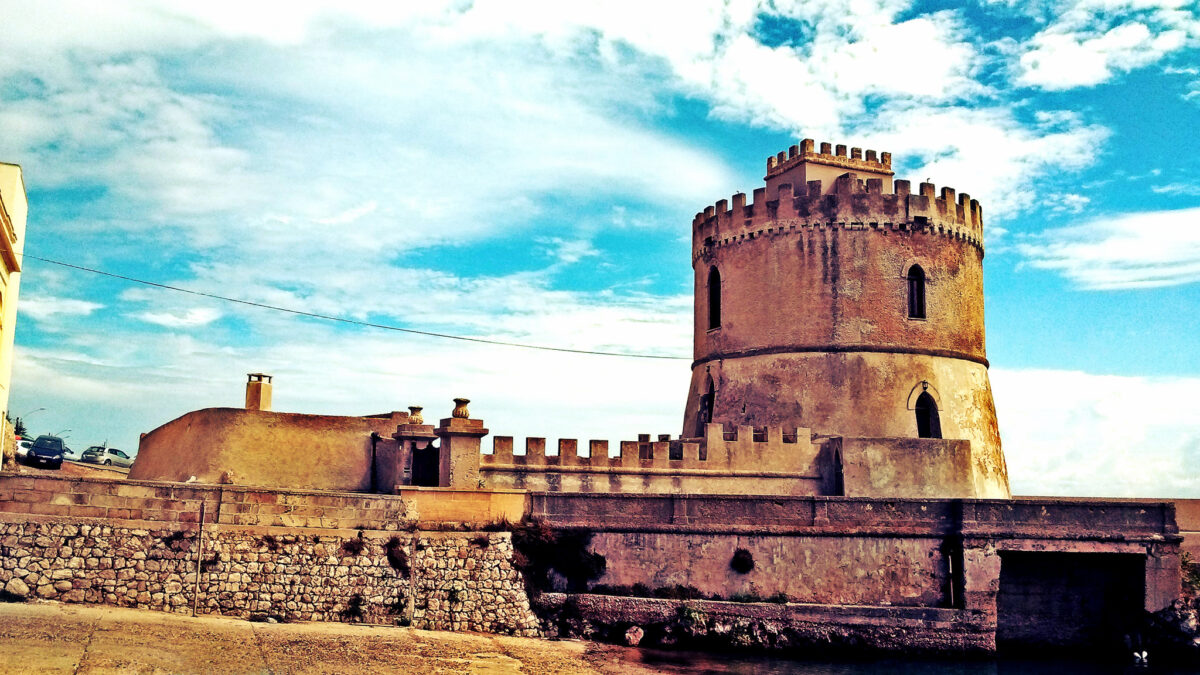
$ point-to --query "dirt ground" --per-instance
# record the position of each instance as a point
(49, 637)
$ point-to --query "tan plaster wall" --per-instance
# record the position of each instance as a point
(794, 390)
(842, 570)
(907, 467)
(253, 447)
(15, 206)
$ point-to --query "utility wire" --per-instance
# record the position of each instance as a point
(355, 322)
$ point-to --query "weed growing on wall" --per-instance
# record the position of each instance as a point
(742, 561)
(354, 546)
(544, 555)
(396, 557)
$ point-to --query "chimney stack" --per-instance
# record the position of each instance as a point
(258, 391)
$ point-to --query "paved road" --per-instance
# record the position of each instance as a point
(58, 638)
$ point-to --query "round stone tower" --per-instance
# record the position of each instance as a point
(841, 302)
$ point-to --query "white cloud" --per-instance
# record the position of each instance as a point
(1067, 202)
(40, 308)
(988, 152)
(1137, 250)
(190, 318)
(1090, 41)
(1079, 434)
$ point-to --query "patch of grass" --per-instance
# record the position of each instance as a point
(482, 541)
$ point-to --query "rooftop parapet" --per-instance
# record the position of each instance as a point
(736, 449)
(848, 202)
(805, 152)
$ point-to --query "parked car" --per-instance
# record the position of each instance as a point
(23, 447)
(99, 454)
(46, 451)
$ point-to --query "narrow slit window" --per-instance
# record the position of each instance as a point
(929, 425)
(916, 292)
(714, 299)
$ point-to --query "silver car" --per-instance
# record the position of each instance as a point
(98, 454)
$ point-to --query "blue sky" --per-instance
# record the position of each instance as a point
(528, 172)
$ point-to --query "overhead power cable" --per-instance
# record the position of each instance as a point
(356, 322)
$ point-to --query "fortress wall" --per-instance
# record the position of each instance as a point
(291, 554)
(845, 570)
(907, 467)
(863, 552)
(794, 389)
(773, 626)
(254, 447)
(768, 461)
(801, 284)
(179, 504)
(447, 580)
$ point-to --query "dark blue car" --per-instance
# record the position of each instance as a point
(46, 451)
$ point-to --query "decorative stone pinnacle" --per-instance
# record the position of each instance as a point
(414, 414)
(460, 409)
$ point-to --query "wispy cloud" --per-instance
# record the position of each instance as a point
(1137, 250)
(1186, 189)
(44, 307)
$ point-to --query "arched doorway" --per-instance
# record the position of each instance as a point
(929, 425)
(704, 413)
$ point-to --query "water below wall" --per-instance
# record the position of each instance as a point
(744, 664)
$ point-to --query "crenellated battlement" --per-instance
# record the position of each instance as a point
(848, 203)
(771, 453)
(829, 156)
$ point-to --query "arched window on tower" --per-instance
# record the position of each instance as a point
(916, 292)
(928, 423)
(707, 402)
(714, 299)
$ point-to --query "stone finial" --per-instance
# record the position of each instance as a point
(414, 414)
(460, 409)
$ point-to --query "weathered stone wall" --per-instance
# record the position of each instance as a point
(848, 570)
(234, 505)
(712, 624)
(273, 449)
(433, 580)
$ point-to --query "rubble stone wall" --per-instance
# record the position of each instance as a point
(430, 580)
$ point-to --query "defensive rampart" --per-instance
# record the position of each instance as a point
(290, 555)
(889, 573)
(935, 565)
(766, 461)
(847, 203)
(742, 460)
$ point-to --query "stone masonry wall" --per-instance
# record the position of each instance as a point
(430, 580)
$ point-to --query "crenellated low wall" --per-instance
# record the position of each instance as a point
(744, 460)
